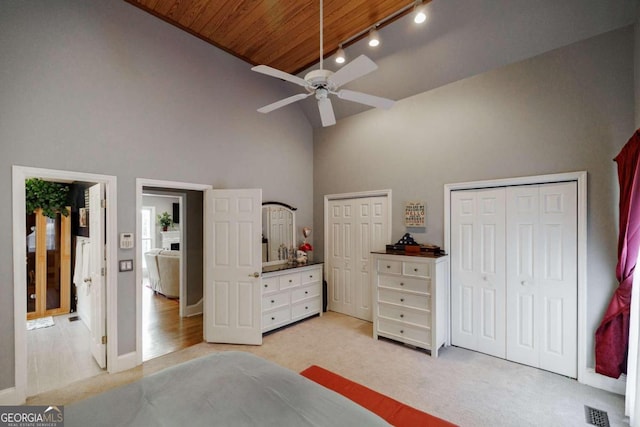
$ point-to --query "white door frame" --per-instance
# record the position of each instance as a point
(19, 175)
(356, 195)
(145, 182)
(585, 375)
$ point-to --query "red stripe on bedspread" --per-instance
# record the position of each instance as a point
(394, 412)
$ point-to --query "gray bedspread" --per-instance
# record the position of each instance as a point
(223, 389)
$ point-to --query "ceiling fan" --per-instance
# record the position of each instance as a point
(322, 83)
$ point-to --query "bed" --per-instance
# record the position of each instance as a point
(222, 389)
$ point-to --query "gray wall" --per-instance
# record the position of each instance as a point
(102, 87)
(567, 110)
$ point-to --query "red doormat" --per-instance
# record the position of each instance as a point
(394, 412)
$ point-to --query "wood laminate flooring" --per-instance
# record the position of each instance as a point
(163, 330)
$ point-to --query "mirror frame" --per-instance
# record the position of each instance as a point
(293, 226)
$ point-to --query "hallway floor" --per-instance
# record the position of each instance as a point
(59, 355)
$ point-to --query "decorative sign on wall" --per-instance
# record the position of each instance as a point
(414, 213)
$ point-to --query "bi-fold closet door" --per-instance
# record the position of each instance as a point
(514, 273)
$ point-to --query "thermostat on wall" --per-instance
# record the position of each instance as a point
(126, 240)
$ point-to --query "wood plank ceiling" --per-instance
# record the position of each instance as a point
(284, 34)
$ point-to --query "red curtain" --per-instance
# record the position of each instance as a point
(612, 336)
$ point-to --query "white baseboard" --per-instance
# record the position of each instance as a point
(124, 362)
(9, 396)
(593, 379)
(195, 309)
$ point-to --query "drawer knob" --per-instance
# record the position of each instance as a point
(311, 276)
(306, 292)
(388, 266)
(266, 286)
(401, 299)
(306, 308)
(273, 318)
(272, 301)
(401, 283)
(401, 316)
(290, 280)
(415, 269)
(401, 331)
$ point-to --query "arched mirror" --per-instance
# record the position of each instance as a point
(278, 232)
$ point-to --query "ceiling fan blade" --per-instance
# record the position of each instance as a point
(269, 71)
(326, 112)
(354, 69)
(278, 104)
(363, 98)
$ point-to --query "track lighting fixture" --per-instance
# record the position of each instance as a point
(340, 56)
(374, 39)
(419, 12)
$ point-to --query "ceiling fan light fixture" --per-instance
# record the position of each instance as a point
(374, 38)
(420, 12)
(340, 56)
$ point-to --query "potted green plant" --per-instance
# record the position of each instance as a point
(51, 197)
(165, 220)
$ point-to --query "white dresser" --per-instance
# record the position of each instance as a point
(411, 300)
(290, 295)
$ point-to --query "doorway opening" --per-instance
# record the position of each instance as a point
(170, 278)
(59, 345)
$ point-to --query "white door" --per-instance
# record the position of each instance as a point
(356, 228)
(542, 276)
(341, 256)
(478, 270)
(232, 293)
(97, 294)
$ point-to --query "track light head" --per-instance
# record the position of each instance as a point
(374, 39)
(340, 56)
(419, 12)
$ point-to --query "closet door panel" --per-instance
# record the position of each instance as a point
(522, 291)
(463, 265)
(478, 281)
(490, 282)
(558, 278)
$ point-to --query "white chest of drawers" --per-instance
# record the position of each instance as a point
(411, 300)
(291, 295)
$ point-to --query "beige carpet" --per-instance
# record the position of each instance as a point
(461, 386)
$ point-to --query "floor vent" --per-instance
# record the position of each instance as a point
(74, 318)
(596, 417)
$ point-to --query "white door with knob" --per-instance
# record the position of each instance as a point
(356, 227)
(477, 270)
(232, 294)
(542, 276)
(514, 273)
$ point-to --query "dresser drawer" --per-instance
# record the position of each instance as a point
(311, 276)
(389, 266)
(405, 333)
(405, 314)
(305, 292)
(405, 299)
(269, 284)
(405, 283)
(275, 301)
(276, 318)
(416, 269)
(306, 308)
(289, 280)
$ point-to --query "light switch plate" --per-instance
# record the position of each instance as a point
(126, 265)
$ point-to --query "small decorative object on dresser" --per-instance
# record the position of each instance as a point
(411, 299)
